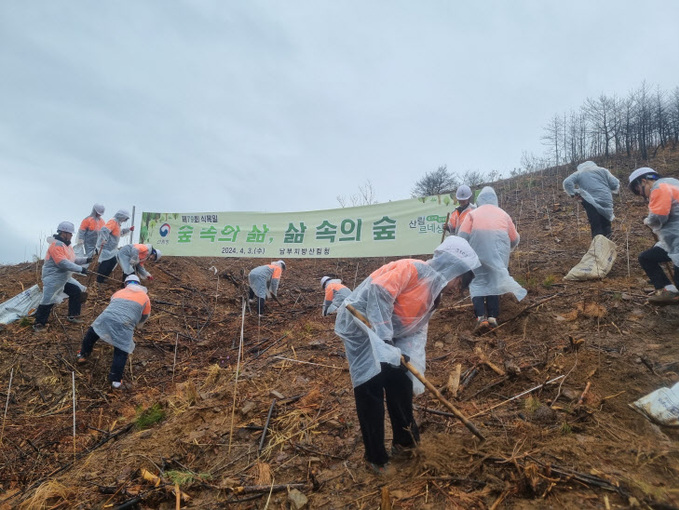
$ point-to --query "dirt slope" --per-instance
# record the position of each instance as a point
(544, 449)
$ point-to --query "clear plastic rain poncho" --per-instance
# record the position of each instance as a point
(595, 185)
(115, 325)
(492, 234)
(88, 233)
(110, 234)
(264, 280)
(60, 264)
(663, 215)
(131, 258)
(337, 294)
(398, 300)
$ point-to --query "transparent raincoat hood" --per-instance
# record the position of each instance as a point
(398, 300)
(122, 216)
(486, 196)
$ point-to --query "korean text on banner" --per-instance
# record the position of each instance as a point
(400, 228)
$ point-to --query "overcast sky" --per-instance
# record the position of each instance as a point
(188, 106)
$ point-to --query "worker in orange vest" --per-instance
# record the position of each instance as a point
(397, 300)
(57, 270)
(88, 233)
(132, 257)
(463, 195)
(107, 243)
(264, 281)
(662, 195)
(335, 294)
(492, 234)
(129, 309)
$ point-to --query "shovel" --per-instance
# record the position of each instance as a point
(472, 428)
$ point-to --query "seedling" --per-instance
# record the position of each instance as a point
(532, 404)
(150, 416)
(184, 478)
(549, 281)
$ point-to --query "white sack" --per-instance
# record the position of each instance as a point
(661, 406)
(21, 305)
(597, 262)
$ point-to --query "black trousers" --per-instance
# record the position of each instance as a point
(105, 269)
(74, 305)
(119, 356)
(598, 224)
(488, 306)
(650, 261)
(398, 388)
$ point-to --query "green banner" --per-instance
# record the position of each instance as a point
(400, 228)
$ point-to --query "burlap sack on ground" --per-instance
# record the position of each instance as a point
(597, 262)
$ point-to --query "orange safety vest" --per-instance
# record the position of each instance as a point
(138, 297)
(401, 280)
(489, 217)
(456, 218)
(277, 271)
(113, 227)
(660, 201)
(331, 288)
(143, 252)
(59, 252)
(92, 223)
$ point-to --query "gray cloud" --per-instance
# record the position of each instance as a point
(279, 106)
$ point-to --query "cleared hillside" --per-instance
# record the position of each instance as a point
(551, 448)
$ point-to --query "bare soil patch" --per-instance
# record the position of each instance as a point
(550, 448)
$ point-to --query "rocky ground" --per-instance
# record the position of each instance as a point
(226, 410)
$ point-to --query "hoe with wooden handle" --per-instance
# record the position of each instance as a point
(443, 234)
(472, 428)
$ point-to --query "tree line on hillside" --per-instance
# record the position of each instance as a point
(643, 122)
(442, 180)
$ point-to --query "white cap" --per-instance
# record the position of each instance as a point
(66, 226)
(133, 278)
(324, 280)
(463, 192)
(640, 172)
(157, 253)
(99, 209)
(280, 263)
